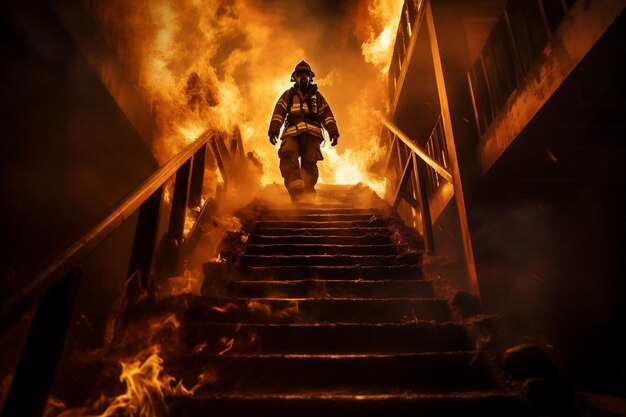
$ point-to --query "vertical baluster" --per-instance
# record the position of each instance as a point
(197, 177)
(144, 244)
(419, 173)
(176, 228)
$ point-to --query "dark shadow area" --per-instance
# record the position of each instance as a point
(552, 236)
(69, 154)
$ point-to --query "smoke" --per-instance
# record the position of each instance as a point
(221, 65)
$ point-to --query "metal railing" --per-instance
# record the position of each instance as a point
(53, 290)
(516, 40)
(417, 173)
(411, 9)
(435, 147)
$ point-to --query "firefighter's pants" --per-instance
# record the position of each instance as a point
(300, 176)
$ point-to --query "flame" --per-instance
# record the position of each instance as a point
(146, 388)
(190, 282)
(263, 308)
(349, 168)
(192, 215)
(211, 65)
(228, 345)
(146, 384)
(167, 321)
(378, 49)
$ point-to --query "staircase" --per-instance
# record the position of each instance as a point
(328, 314)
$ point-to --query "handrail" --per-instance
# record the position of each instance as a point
(42, 281)
(411, 145)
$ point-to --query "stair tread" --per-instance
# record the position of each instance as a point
(319, 249)
(345, 299)
(331, 288)
(338, 267)
(334, 356)
(323, 231)
(360, 395)
(321, 216)
(404, 271)
(390, 310)
(263, 224)
(320, 210)
(327, 256)
(407, 326)
(282, 372)
(364, 403)
(328, 338)
(300, 260)
(323, 245)
(370, 239)
(334, 281)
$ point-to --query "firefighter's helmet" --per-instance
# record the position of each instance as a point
(302, 66)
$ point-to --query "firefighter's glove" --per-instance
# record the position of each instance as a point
(333, 140)
(273, 139)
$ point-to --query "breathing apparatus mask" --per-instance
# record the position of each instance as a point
(303, 79)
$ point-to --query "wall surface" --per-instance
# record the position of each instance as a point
(552, 237)
(68, 153)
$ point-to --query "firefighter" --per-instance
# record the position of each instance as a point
(304, 112)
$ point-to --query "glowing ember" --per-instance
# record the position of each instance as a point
(228, 346)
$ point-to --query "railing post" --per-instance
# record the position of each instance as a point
(221, 153)
(176, 228)
(40, 358)
(422, 197)
(197, 177)
(403, 179)
(145, 242)
(451, 61)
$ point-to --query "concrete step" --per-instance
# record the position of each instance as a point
(299, 211)
(322, 217)
(332, 289)
(292, 239)
(411, 258)
(353, 403)
(306, 224)
(325, 338)
(321, 231)
(271, 273)
(284, 373)
(319, 249)
(311, 206)
(312, 310)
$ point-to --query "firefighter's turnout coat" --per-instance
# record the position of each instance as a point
(295, 105)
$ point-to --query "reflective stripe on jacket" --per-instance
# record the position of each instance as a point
(300, 118)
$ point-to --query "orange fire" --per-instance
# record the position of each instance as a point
(146, 388)
(147, 385)
(382, 34)
(212, 65)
